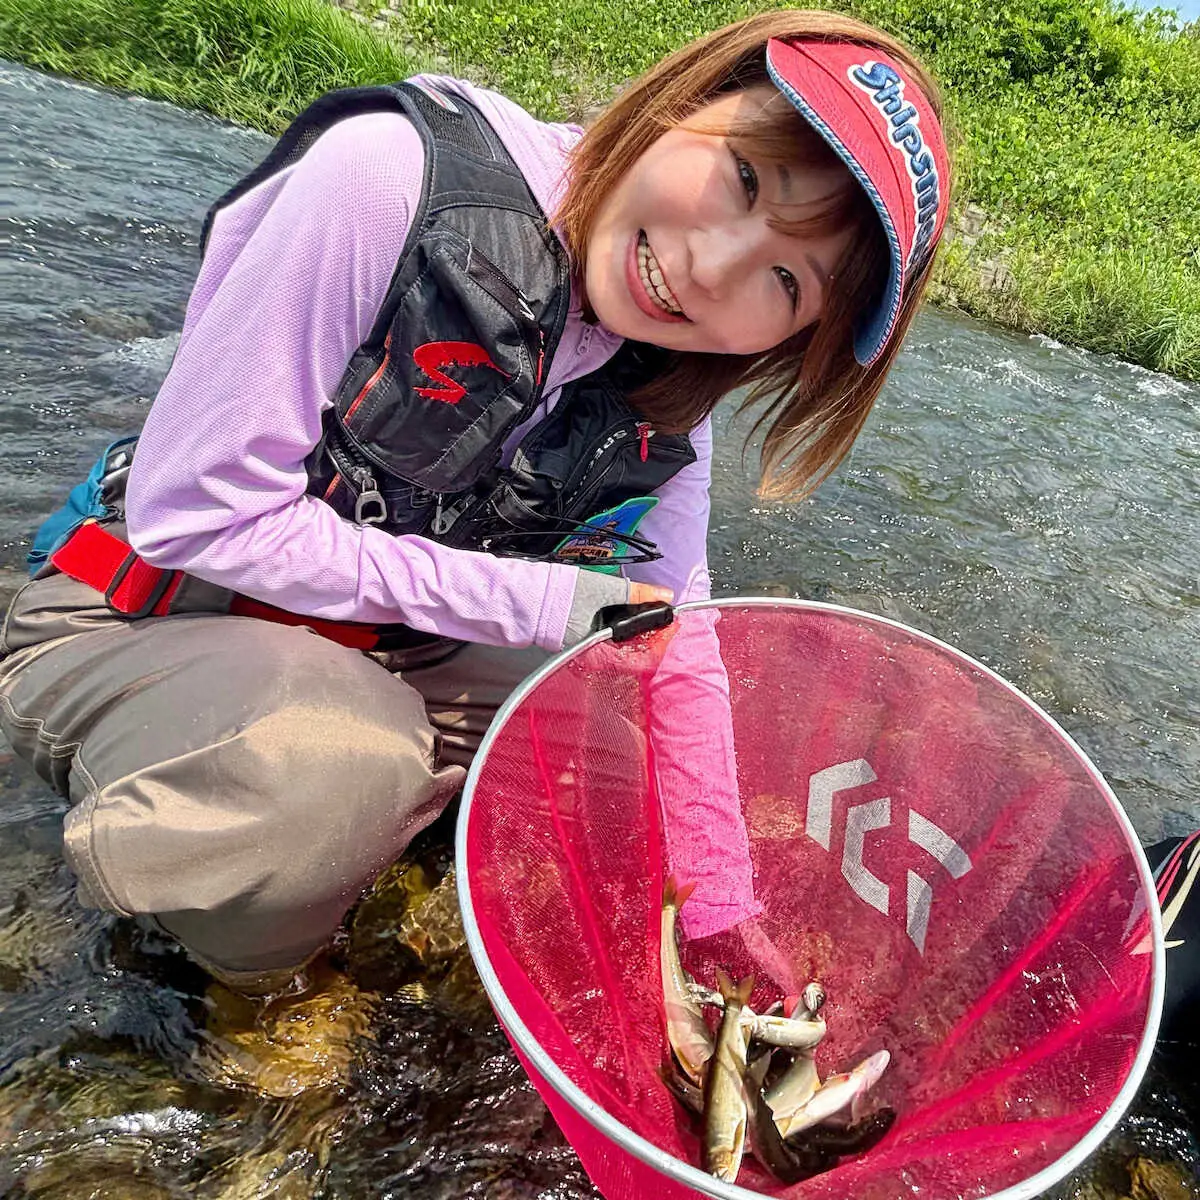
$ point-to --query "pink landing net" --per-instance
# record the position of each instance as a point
(924, 840)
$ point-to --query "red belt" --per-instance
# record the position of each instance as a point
(133, 588)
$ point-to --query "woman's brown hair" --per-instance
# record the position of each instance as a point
(817, 395)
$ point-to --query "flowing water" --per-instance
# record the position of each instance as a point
(1032, 504)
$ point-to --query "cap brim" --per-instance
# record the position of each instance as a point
(789, 67)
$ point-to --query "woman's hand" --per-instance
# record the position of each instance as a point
(644, 593)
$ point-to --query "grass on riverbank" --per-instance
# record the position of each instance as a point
(1080, 137)
(256, 62)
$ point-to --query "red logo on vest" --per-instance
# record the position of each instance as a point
(432, 356)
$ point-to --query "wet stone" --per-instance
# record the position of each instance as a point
(1150, 1180)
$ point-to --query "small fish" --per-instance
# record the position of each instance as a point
(795, 1032)
(836, 1093)
(794, 1088)
(819, 1149)
(787, 1164)
(686, 1030)
(790, 1032)
(724, 1086)
(797, 1085)
(853, 1139)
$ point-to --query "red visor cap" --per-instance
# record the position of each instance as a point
(864, 104)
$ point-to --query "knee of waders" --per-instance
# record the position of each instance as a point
(277, 775)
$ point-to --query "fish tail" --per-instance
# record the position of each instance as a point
(742, 992)
(675, 893)
(724, 985)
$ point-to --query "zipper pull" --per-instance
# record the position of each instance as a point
(443, 520)
(645, 433)
(369, 505)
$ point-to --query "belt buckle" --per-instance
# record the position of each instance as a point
(157, 592)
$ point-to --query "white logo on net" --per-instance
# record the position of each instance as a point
(861, 819)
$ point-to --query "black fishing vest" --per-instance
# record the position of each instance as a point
(458, 355)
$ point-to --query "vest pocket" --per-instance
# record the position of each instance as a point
(459, 369)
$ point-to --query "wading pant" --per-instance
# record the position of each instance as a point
(239, 781)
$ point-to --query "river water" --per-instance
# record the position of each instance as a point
(1032, 504)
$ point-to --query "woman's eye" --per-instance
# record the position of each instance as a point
(748, 177)
(789, 282)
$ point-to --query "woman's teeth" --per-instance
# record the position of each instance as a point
(652, 279)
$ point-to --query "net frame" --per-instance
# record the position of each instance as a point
(543, 1068)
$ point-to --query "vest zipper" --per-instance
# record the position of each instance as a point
(492, 280)
(370, 508)
(374, 379)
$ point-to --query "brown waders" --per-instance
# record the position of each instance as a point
(241, 782)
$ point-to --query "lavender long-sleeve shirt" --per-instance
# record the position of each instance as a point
(292, 280)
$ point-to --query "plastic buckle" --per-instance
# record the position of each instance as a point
(628, 620)
(157, 592)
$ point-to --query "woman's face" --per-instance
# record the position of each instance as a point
(682, 254)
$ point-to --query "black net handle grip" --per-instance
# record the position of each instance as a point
(628, 620)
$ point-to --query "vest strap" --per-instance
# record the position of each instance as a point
(131, 586)
(135, 589)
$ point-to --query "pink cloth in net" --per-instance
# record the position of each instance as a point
(1002, 977)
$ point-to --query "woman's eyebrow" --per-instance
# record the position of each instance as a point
(820, 276)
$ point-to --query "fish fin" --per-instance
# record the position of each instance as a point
(790, 1005)
(676, 893)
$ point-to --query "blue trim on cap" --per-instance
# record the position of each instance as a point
(872, 333)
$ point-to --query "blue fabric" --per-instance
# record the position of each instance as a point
(84, 501)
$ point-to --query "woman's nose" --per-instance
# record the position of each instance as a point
(723, 256)
(719, 255)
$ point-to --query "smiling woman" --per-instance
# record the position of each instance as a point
(787, 180)
(696, 235)
(415, 376)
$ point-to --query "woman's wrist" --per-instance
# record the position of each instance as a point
(593, 591)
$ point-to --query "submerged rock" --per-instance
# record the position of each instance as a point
(287, 1045)
(1150, 1180)
(406, 939)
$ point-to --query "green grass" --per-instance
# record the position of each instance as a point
(1079, 132)
(256, 62)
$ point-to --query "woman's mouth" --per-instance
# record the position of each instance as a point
(650, 290)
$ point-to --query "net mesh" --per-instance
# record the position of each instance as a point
(923, 841)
